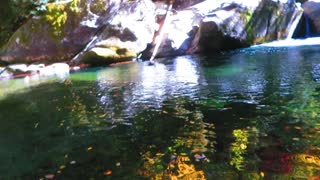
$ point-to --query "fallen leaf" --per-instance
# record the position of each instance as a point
(243, 146)
(314, 178)
(286, 128)
(107, 172)
(73, 162)
(102, 115)
(90, 148)
(49, 176)
(62, 167)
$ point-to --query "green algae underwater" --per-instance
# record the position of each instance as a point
(246, 114)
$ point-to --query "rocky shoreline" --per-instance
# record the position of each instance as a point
(120, 31)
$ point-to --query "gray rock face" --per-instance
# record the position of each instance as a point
(208, 27)
(130, 28)
(312, 11)
(178, 34)
(106, 31)
(50, 37)
(66, 29)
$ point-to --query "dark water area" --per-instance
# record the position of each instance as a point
(246, 114)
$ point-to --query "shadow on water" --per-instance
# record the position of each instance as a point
(247, 114)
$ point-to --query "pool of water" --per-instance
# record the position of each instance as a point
(246, 114)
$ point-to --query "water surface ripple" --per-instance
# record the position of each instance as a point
(245, 114)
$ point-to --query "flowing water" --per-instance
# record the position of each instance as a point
(246, 114)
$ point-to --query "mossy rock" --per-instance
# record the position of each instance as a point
(55, 35)
(107, 55)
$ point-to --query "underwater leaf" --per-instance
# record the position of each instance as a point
(107, 172)
(49, 176)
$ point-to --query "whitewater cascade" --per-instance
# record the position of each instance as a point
(163, 30)
(295, 21)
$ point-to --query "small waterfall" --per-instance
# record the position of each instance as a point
(163, 30)
(301, 32)
(308, 32)
(294, 22)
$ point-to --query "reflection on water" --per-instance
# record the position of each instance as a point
(148, 84)
(246, 114)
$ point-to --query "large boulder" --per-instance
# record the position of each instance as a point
(106, 31)
(208, 27)
(52, 36)
(68, 27)
(128, 32)
(240, 24)
(177, 35)
(312, 14)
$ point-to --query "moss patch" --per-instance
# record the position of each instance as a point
(108, 55)
(57, 15)
(249, 29)
(98, 6)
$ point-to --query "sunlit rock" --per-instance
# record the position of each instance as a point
(18, 67)
(60, 70)
(178, 36)
(35, 67)
(128, 32)
(105, 55)
(212, 27)
(182, 4)
(68, 27)
(4, 74)
(107, 31)
(35, 71)
(239, 24)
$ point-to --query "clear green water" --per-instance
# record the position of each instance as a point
(247, 114)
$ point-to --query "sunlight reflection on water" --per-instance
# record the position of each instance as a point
(244, 114)
(152, 85)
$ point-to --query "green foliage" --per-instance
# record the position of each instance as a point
(238, 148)
(19, 11)
(74, 6)
(15, 12)
(249, 29)
(56, 16)
(97, 6)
